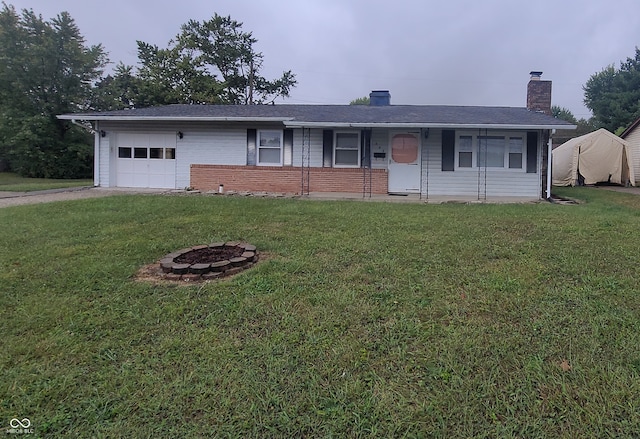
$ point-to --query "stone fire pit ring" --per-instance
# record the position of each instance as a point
(207, 262)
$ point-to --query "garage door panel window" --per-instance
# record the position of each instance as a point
(124, 152)
(139, 153)
(269, 148)
(170, 153)
(156, 153)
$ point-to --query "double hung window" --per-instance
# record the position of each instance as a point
(269, 148)
(347, 149)
(490, 151)
(516, 147)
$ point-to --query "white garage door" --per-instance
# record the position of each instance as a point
(146, 160)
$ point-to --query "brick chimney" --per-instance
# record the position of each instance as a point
(539, 94)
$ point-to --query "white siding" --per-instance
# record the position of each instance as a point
(380, 144)
(470, 183)
(209, 147)
(315, 137)
(634, 139)
(104, 168)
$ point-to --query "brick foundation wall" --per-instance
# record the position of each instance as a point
(284, 179)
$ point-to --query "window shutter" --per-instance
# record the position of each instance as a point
(365, 148)
(532, 152)
(251, 147)
(327, 148)
(287, 143)
(448, 150)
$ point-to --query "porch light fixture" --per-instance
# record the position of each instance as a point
(103, 133)
(180, 135)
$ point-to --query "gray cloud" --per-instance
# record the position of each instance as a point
(425, 52)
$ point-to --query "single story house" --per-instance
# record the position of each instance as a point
(430, 150)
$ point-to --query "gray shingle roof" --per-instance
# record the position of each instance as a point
(341, 115)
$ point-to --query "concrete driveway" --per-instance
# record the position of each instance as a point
(626, 190)
(18, 198)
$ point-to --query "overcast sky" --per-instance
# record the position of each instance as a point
(449, 52)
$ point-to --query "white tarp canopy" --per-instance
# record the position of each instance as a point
(598, 157)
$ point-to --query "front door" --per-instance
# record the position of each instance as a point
(404, 162)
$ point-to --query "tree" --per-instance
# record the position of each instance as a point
(563, 113)
(220, 46)
(613, 95)
(118, 91)
(174, 76)
(213, 62)
(46, 70)
(365, 100)
(583, 126)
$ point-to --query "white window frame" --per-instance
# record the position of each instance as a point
(335, 148)
(458, 151)
(522, 152)
(507, 135)
(258, 148)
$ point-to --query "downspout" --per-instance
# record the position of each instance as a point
(549, 149)
(96, 156)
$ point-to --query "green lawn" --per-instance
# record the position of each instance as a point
(365, 320)
(14, 183)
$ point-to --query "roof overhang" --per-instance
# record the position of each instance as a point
(290, 122)
(630, 128)
(169, 119)
(296, 124)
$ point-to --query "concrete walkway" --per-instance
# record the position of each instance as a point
(19, 198)
(416, 198)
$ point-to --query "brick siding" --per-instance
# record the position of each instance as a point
(284, 179)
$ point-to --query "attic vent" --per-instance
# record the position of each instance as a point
(379, 98)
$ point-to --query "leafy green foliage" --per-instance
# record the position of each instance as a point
(209, 62)
(583, 126)
(365, 100)
(116, 91)
(220, 46)
(613, 94)
(563, 114)
(46, 71)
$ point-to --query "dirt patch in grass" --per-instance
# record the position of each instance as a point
(209, 255)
